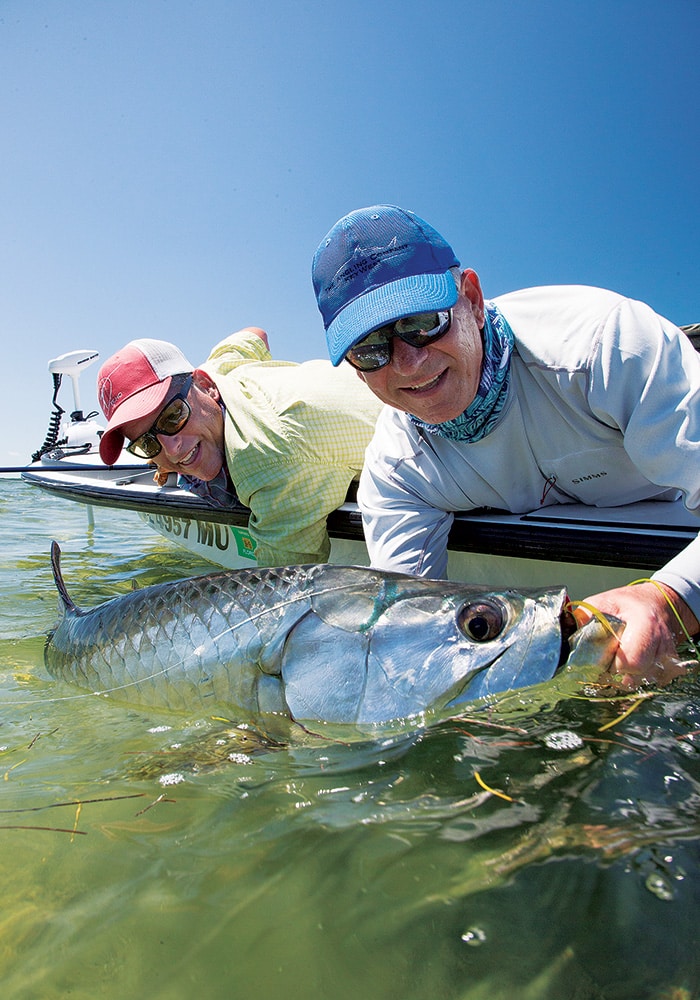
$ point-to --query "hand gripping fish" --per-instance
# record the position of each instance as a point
(318, 643)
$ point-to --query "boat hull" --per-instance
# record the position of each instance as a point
(585, 548)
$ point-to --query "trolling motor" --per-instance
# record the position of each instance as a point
(80, 434)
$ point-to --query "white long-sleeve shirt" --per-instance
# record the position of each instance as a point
(603, 408)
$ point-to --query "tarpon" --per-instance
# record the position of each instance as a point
(317, 643)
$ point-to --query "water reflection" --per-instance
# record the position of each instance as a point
(309, 868)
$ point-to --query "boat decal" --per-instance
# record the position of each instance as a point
(168, 524)
(210, 534)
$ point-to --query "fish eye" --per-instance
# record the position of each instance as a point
(482, 620)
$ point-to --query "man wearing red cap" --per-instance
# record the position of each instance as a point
(285, 439)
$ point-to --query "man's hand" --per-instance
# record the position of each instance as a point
(647, 651)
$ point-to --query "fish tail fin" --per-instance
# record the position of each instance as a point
(68, 603)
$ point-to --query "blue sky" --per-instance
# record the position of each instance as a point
(169, 166)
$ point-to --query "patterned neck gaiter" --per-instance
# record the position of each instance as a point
(482, 414)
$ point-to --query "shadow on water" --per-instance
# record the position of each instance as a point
(309, 868)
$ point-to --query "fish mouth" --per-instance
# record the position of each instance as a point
(568, 626)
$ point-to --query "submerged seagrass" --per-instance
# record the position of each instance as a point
(315, 643)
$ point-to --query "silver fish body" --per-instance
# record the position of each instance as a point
(320, 643)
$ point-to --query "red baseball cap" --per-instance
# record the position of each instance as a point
(134, 383)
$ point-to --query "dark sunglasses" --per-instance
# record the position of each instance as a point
(374, 351)
(171, 419)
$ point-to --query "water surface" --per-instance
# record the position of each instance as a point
(144, 854)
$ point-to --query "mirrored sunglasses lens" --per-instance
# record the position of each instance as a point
(423, 328)
(145, 446)
(370, 357)
(420, 323)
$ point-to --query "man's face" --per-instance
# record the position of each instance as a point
(198, 449)
(437, 382)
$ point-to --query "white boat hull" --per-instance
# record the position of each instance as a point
(231, 546)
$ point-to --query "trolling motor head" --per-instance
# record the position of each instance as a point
(80, 433)
(72, 364)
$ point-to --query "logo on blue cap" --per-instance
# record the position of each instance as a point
(375, 265)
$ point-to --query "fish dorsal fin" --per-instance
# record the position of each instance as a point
(58, 580)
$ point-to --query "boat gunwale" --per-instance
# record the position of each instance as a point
(581, 535)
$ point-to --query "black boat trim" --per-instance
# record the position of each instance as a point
(549, 534)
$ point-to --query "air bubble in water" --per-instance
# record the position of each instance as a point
(563, 739)
(474, 936)
(660, 886)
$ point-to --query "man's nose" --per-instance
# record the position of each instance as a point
(406, 359)
(170, 446)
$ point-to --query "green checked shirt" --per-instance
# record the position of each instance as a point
(295, 438)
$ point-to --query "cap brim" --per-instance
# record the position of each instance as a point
(142, 404)
(415, 294)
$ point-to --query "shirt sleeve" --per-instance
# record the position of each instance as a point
(646, 379)
(404, 532)
(237, 349)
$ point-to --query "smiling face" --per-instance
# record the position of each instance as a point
(198, 449)
(437, 382)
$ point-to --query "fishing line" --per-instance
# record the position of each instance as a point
(674, 609)
(595, 612)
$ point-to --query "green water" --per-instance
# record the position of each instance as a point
(209, 865)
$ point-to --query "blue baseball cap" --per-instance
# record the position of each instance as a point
(375, 265)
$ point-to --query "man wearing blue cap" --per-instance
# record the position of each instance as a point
(562, 394)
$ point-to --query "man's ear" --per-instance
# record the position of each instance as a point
(205, 383)
(470, 288)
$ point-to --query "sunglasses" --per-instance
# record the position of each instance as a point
(374, 351)
(171, 419)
